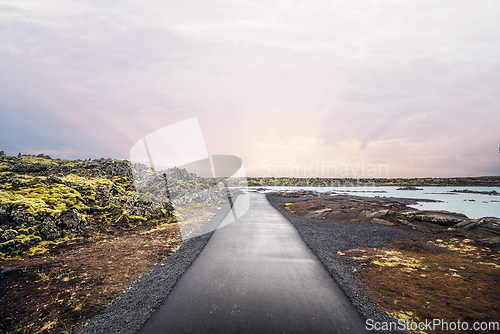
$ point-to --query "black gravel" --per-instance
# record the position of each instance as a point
(131, 309)
(326, 237)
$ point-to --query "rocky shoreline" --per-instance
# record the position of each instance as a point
(467, 191)
(396, 212)
(482, 181)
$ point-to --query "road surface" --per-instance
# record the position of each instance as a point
(256, 275)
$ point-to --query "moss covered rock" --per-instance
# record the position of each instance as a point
(8, 234)
(70, 220)
(44, 199)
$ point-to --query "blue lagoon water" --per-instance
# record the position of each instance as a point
(472, 205)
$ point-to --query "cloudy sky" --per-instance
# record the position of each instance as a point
(349, 84)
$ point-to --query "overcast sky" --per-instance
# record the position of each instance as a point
(410, 85)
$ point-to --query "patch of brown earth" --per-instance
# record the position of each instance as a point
(75, 280)
(412, 280)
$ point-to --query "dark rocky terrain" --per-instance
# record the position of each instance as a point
(44, 199)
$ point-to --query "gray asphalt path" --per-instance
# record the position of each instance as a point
(256, 275)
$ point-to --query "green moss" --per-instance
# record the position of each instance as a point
(43, 246)
(195, 205)
(35, 238)
(28, 159)
(12, 231)
(122, 182)
(28, 238)
(5, 185)
(31, 202)
(72, 184)
(87, 182)
(11, 198)
(39, 248)
(40, 199)
(138, 218)
(8, 243)
(61, 240)
(29, 230)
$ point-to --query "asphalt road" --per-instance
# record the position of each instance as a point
(256, 275)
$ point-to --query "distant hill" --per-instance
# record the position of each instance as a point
(400, 182)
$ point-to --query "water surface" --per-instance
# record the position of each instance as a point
(472, 205)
